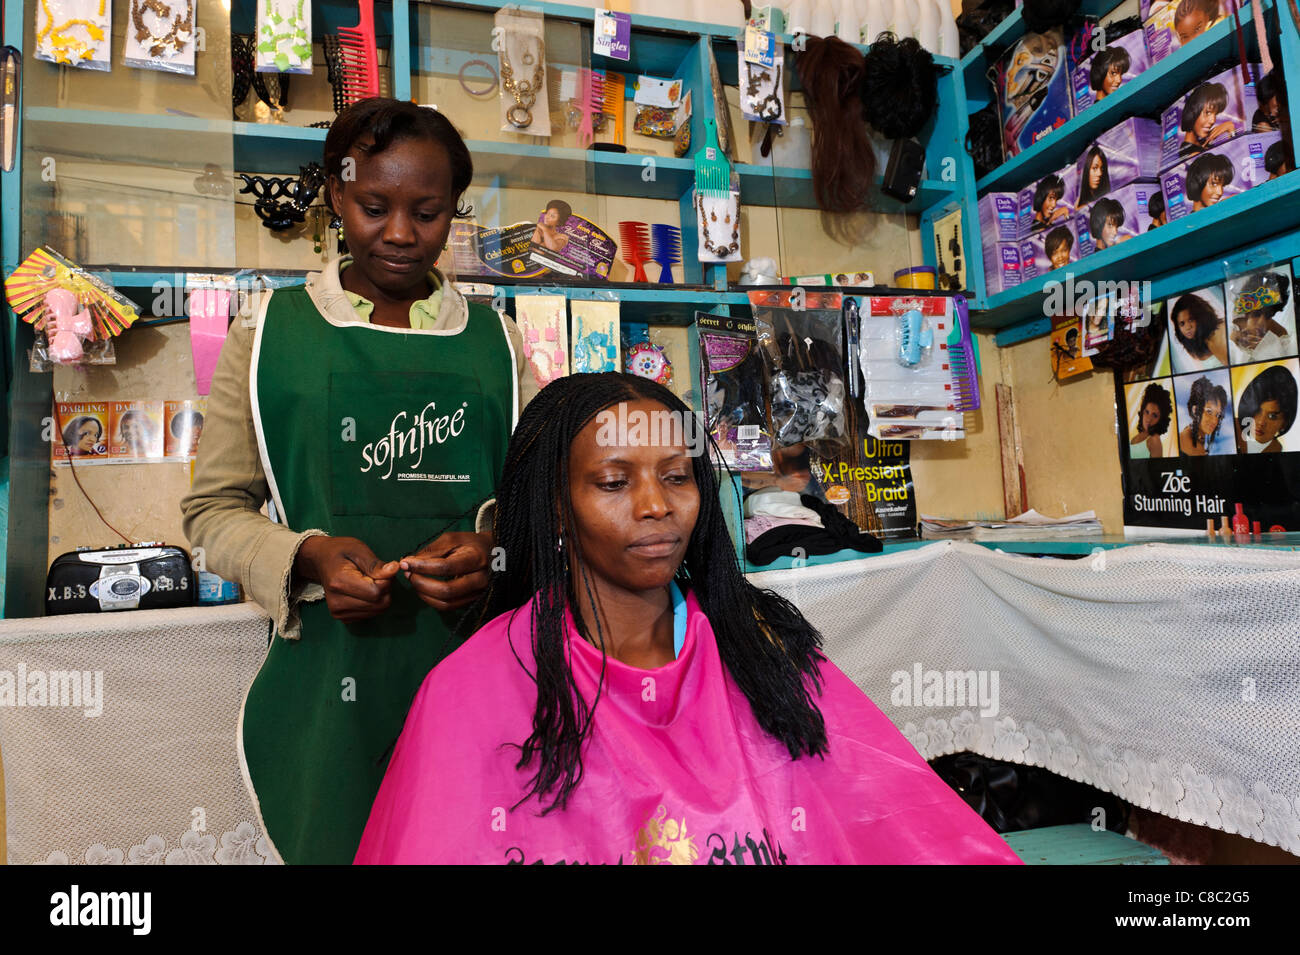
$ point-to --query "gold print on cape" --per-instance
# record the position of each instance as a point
(664, 841)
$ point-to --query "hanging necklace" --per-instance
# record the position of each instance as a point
(173, 41)
(520, 115)
(718, 250)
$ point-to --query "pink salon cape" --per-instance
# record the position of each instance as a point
(676, 771)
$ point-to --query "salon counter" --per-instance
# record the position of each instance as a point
(1167, 674)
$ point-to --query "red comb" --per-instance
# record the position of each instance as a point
(360, 59)
(635, 239)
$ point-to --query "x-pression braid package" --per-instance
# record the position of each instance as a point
(800, 336)
(732, 379)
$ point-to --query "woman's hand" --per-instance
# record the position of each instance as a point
(356, 582)
(451, 572)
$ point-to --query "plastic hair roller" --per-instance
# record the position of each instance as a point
(914, 336)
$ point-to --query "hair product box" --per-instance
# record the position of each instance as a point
(1052, 199)
(1115, 218)
(1103, 73)
(1033, 89)
(1171, 24)
(1130, 152)
(1001, 266)
(1050, 249)
(1212, 112)
(1220, 173)
(1000, 217)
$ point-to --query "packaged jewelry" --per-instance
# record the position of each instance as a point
(646, 357)
(595, 336)
(543, 320)
(519, 38)
(160, 35)
(283, 36)
(762, 92)
(800, 335)
(732, 385)
(657, 104)
(717, 223)
(74, 33)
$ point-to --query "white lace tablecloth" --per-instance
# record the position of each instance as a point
(154, 777)
(1167, 675)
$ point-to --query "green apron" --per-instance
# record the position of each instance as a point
(387, 436)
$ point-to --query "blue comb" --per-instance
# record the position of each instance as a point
(913, 336)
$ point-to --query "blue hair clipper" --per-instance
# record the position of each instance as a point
(914, 336)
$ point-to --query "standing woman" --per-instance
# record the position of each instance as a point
(370, 410)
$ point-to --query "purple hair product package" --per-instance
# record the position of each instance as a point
(1129, 152)
(1166, 32)
(1101, 74)
(1033, 89)
(1050, 249)
(1000, 217)
(1052, 199)
(1212, 112)
(1218, 173)
(1115, 218)
(1001, 266)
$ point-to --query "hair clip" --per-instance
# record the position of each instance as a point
(913, 336)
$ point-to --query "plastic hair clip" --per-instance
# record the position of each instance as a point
(914, 335)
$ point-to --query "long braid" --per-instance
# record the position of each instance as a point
(767, 646)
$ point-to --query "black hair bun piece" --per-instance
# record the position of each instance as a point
(1043, 15)
(900, 86)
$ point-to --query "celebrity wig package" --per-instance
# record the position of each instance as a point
(1221, 172)
(1116, 218)
(732, 385)
(1121, 58)
(801, 334)
(1032, 82)
(1129, 152)
(1212, 112)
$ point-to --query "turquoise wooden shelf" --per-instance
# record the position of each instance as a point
(1149, 93)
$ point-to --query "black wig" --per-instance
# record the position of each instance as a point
(768, 648)
(1042, 15)
(900, 86)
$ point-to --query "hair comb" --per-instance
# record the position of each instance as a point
(360, 57)
(636, 248)
(666, 249)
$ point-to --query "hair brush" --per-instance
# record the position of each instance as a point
(636, 248)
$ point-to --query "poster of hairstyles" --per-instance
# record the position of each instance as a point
(1152, 419)
(1264, 397)
(1198, 338)
(1261, 316)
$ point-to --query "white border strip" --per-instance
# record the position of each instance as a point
(243, 760)
(280, 516)
(514, 370)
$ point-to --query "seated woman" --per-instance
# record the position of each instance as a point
(632, 698)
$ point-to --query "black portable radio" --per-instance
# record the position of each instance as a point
(147, 576)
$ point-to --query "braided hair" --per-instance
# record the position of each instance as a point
(768, 648)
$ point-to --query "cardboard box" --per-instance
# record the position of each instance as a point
(1212, 112)
(1115, 218)
(1051, 200)
(1165, 34)
(1033, 90)
(1048, 250)
(1219, 173)
(1103, 73)
(1001, 267)
(1130, 152)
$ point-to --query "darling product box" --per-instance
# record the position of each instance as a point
(1001, 266)
(1033, 88)
(1053, 199)
(1107, 70)
(1219, 173)
(1000, 217)
(1051, 249)
(1127, 153)
(1171, 24)
(1212, 112)
(1116, 218)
